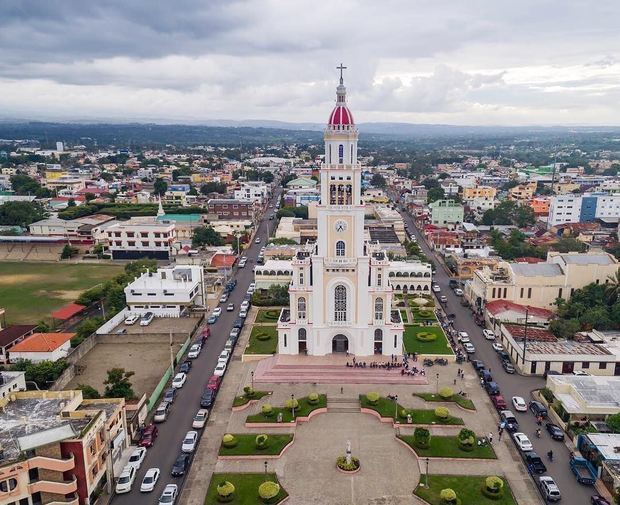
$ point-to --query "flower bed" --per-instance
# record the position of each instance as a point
(268, 316)
(247, 445)
(246, 488)
(386, 408)
(466, 487)
(448, 447)
(305, 406)
(244, 399)
(438, 345)
(460, 400)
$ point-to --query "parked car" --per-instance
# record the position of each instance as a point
(207, 398)
(146, 319)
(170, 395)
(200, 419)
(189, 442)
(469, 348)
(497, 347)
(186, 366)
(508, 368)
(549, 489)
(509, 420)
(194, 351)
(477, 364)
(137, 457)
(499, 402)
(230, 307)
(224, 298)
(125, 480)
(230, 345)
(436, 288)
(458, 292)
(534, 463)
(443, 299)
(162, 412)
(491, 388)
(503, 356)
(485, 375)
(488, 334)
(242, 262)
(243, 313)
(181, 464)
(169, 495)
(179, 380)
(149, 434)
(245, 304)
(555, 431)
(217, 312)
(234, 333)
(522, 441)
(251, 287)
(220, 368)
(538, 409)
(597, 499)
(223, 357)
(238, 323)
(463, 336)
(519, 404)
(149, 480)
(131, 319)
(214, 383)
(257, 240)
(212, 319)
(584, 472)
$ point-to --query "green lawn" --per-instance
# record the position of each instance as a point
(386, 408)
(466, 403)
(246, 487)
(302, 410)
(448, 447)
(31, 291)
(257, 346)
(438, 346)
(467, 489)
(242, 400)
(423, 315)
(246, 445)
(269, 316)
(403, 316)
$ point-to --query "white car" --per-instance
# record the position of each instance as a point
(125, 480)
(224, 356)
(220, 368)
(497, 347)
(149, 480)
(169, 496)
(519, 404)
(463, 336)
(179, 380)
(194, 351)
(224, 298)
(189, 442)
(458, 292)
(469, 348)
(200, 419)
(230, 307)
(488, 334)
(580, 372)
(251, 288)
(217, 312)
(245, 305)
(436, 288)
(242, 262)
(137, 457)
(523, 442)
(162, 412)
(243, 313)
(132, 319)
(257, 240)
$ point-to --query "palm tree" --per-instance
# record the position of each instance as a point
(612, 288)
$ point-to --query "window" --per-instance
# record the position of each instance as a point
(340, 248)
(602, 365)
(301, 278)
(379, 279)
(340, 153)
(379, 309)
(6, 486)
(301, 308)
(585, 364)
(285, 341)
(340, 303)
(521, 293)
(529, 292)
(301, 335)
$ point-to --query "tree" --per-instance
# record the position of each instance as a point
(68, 252)
(160, 187)
(508, 212)
(89, 196)
(613, 421)
(25, 185)
(179, 172)
(285, 213)
(378, 181)
(98, 250)
(282, 241)
(569, 244)
(206, 235)
(118, 384)
(612, 288)
(88, 392)
(43, 373)
(20, 213)
(435, 194)
(71, 203)
(214, 187)
(85, 329)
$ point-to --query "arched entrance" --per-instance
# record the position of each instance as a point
(340, 343)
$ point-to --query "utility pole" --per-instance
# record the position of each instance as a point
(525, 337)
(171, 355)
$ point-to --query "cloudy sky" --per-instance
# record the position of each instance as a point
(426, 61)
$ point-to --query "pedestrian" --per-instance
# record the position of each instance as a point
(455, 382)
(490, 438)
(341, 390)
(499, 437)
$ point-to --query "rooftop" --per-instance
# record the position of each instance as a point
(68, 311)
(587, 259)
(608, 444)
(498, 306)
(12, 333)
(533, 334)
(42, 342)
(536, 269)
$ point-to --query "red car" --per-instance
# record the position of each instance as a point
(149, 434)
(499, 402)
(214, 383)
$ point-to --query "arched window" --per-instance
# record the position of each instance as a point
(301, 335)
(378, 335)
(301, 308)
(340, 303)
(340, 154)
(379, 309)
(340, 248)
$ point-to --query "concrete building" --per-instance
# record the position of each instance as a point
(273, 272)
(540, 284)
(230, 209)
(590, 396)
(522, 192)
(446, 213)
(12, 335)
(254, 191)
(479, 192)
(140, 238)
(11, 382)
(584, 208)
(167, 292)
(42, 347)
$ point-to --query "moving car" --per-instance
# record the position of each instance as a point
(125, 480)
(169, 395)
(230, 307)
(146, 319)
(507, 366)
(257, 240)
(523, 443)
(443, 299)
(214, 383)
(555, 431)
(534, 463)
(137, 457)
(220, 368)
(458, 292)
(519, 404)
(469, 348)
(162, 412)
(149, 480)
(212, 319)
(217, 312)
(200, 419)
(488, 334)
(207, 398)
(436, 288)
(538, 409)
(180, 465)
(224, 298)
(549, 489)
(509, 420)
(497, 347)
(179, 380)
(169, 495)
(189, 442)
(149, 434)
(132, 319)
(194, 351)
(242, 262)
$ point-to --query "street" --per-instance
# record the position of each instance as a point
(171, 432)
(510, 385)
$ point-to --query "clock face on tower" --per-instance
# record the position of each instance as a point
(340, 226)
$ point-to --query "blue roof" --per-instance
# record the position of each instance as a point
(180, 218)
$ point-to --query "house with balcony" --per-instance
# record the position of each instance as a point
(141, 238)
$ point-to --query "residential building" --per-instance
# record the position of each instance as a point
(540, 206)
(446, 213)
(230, 209)
(479, 192)
(418, 196)
(42, 347)
(11, 382)
(12, 335)
(178, 194)
(301, 183)
(584, 208)
(254, 191)
(450, 187)
(141, 238)
(170, 291)
(522, 192)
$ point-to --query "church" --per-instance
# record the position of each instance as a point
(340, 298)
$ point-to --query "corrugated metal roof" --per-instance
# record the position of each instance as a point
(536, 269)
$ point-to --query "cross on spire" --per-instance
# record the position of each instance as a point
(341, 68)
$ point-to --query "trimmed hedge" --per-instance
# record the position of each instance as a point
(225, 491)
(261, 441)
(229, 440)
(442, 412)
(426, 336)
(341, 462)
(267, 410)
(422, 438)
(372, 397)
(493, 487)
(446, 393)
(268, 491)
(313, 398)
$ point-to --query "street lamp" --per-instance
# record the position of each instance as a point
(266, 470)
(437, 383)
(395, 407)
(252, 379)
(427, 461)
(293, 405)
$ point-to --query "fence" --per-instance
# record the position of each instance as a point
(159, 389)
(113, 322)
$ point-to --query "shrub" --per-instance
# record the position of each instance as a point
(466, 440)
(372, 397)
(493, 487)
(267, 410)
(262, 336)
(446, 392)
(403, 413)
(229, 440)
(447, 496)
(442, 413)
(261, 441)
(313, 398)
(225, 491)
(547, 394)
(422, 438)
(248, 392)
(341, 462)
(291, 403)
(268, 491)
(426, 336)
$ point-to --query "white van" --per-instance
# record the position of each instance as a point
(131, 319)
(125, 481)
(146, 319)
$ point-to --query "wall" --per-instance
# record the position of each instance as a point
(112, 323)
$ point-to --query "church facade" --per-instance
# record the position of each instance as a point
(340, 297)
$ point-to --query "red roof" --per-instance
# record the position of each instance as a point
(42, 342)
(497, 306)
(341, 115)
(68, 311)
(533, 334)
(223, 260)
(528, 259)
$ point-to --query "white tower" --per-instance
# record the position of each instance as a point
(340, 300)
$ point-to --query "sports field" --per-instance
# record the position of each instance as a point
(30, 291)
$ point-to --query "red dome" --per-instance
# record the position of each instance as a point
(341, 115)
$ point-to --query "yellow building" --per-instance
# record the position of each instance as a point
(565, 188)
(522, 192)
(477, 192)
